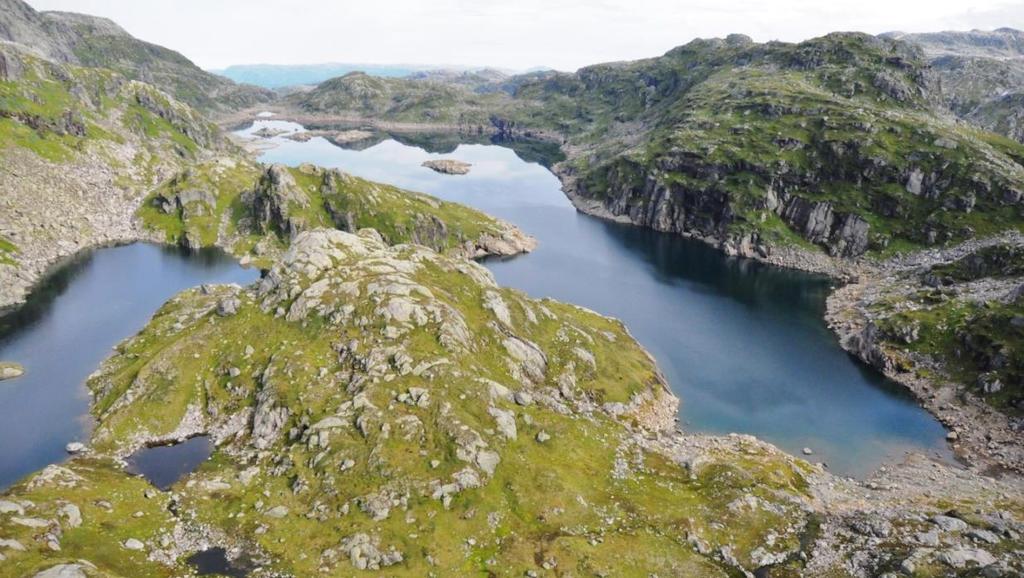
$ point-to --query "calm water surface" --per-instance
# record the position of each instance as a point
(68, 327)
(165, 465)
(742, 344)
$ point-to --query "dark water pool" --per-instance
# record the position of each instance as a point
(743, 344)
(214, 562)
(69, 325)
(165, 465)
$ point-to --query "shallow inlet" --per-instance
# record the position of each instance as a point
(69, 325)
(741, 343)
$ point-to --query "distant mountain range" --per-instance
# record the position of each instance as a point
(281, 75)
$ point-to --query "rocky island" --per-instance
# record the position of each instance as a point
(448, 166)
(377, 404)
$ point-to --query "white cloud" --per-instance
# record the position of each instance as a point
(516, 34)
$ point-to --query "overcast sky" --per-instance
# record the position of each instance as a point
(516, 34)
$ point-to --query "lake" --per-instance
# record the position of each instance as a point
(69, 325)
(742, 344)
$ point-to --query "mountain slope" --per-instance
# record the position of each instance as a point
(80, 147)
(100, 43)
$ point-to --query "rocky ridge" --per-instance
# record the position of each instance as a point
(982, 75)
(841, 144)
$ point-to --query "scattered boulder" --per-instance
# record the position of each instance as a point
(75, 448)
(277, 512)
(71, 514)
(506, 422)
(133, 544)
(949, 523)
(960, 558)
(63, 571)
(365, 554)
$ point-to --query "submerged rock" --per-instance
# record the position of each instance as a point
(10, 370)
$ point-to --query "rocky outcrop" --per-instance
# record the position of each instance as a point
(843, 234)
(276, 203)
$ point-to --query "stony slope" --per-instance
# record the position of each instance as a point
(1001, 43)
(79, 149)
(389, 409)
(100, 43)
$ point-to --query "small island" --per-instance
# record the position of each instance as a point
(267, 132)
(448, 166)
(10, 370)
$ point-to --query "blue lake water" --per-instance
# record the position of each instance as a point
(742, 344)
(66, 329)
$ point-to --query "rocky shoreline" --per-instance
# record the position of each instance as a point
(789, 257)
(901, 518)
(984, 438)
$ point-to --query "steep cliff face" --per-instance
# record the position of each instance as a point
(842, 145)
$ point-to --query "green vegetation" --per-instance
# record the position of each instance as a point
(55, 111)
(8, 250)
(401, 100)
(841, 139)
